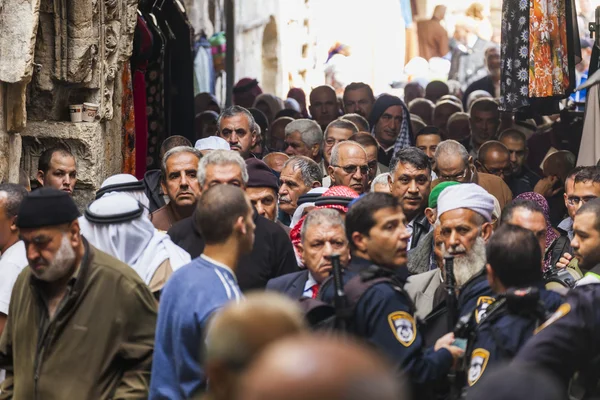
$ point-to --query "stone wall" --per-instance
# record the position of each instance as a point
(54, 53)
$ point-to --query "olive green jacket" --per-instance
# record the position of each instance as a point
(98, 345)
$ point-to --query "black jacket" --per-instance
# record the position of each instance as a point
(292, 285)
(421, 228)
(272, 254)
(153, 190)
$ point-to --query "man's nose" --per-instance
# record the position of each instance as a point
(513, 158)
(412, 187)
(358, 175)
(184, 180)
(32, 252)
(327, 249)
(234, 138)
(260, 209)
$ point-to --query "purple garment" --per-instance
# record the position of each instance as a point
(551, 234)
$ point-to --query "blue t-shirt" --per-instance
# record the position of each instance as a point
(190, 297)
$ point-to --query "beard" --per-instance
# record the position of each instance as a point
(60, 265)
(469, 265)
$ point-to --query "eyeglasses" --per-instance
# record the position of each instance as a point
(497, 171)
(456, 177)
(373, 165)
(351, 169)
(574, 200)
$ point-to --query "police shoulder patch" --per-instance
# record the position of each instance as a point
(479, 360)
(403, 326)
(483, 302)
(558, 314)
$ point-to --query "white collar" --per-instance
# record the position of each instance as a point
(588, 279)
(219, 264)
(18, 247)
(310, 282)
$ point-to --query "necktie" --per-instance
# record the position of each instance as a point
(315, 290)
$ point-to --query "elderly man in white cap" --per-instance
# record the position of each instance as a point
(117, 225)
(465, 223)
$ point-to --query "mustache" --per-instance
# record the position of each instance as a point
(40, 261)
(456, 249)
(285, 200)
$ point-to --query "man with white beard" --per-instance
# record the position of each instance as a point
(85, 319)
(465, 217)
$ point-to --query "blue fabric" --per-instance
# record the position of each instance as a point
(406, 10)
(190, 297)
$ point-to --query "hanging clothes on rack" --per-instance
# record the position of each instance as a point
(204, 72)
(155, 106)
(142, 50)
(539, 51)
(179, 90)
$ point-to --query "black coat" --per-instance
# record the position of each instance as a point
(272, 254)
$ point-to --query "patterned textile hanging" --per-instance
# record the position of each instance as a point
(128, 122)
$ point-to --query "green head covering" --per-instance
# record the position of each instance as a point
(437, 190)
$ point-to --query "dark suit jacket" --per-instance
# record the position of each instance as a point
(484, 83)
(292, 285)
(421, 228)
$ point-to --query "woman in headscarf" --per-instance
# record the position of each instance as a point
(299, 95)
(552, 235)
(269, 104)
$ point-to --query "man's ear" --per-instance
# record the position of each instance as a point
(486, 231)
(471, 160)
(314, 151)
(75, 232)
(430, 214)
(330, 170)
(300, 249)
(40, 177)
(316, 184)
(390, 182)
(359, 241)
(254, 139)
(13, 225)
(240, 225)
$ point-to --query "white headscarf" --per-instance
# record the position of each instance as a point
(135, 242)
(138, 195)
(298, 213)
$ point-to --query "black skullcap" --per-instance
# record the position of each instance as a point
(260, 175)
(46, 207)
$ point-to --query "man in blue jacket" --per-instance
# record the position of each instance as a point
(199, 289)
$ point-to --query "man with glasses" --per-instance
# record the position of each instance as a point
(410, 183)
(368, 142)
(494, 158)
(586, 188)
(453, 163)
(336, 132)
(349, 167)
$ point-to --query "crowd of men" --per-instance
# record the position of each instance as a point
(462, 264)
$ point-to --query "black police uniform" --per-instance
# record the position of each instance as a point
(474, 296)
(569, 340)
(384, 316)
(505, 328)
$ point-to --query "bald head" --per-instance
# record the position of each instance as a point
(315, 367)
(323, 105)
(349, 166)
(276, 160)
(494, 158)
(277, 133)
(422, 108)
(559, 164)
(458, 127)
(240, 331)
(442, 113)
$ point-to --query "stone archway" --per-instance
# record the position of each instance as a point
(270, 57)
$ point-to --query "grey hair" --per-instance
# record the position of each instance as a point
(311, 171)
(15, 194)
(452, 148)
(341, 124)
(237, 110)
(310, 131)
(177, 150)
(335, 152)
(221, 157)
(322, 216)
(381, 179)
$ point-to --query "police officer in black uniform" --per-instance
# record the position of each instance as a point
(569, 341)
(514, 272)
(384, 313)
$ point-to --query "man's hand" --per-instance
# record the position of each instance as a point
(444, 341)
(545, 185)
(564, 261)
(456, 352)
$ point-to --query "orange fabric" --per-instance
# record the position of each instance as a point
(128, 120)
(548, 56)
